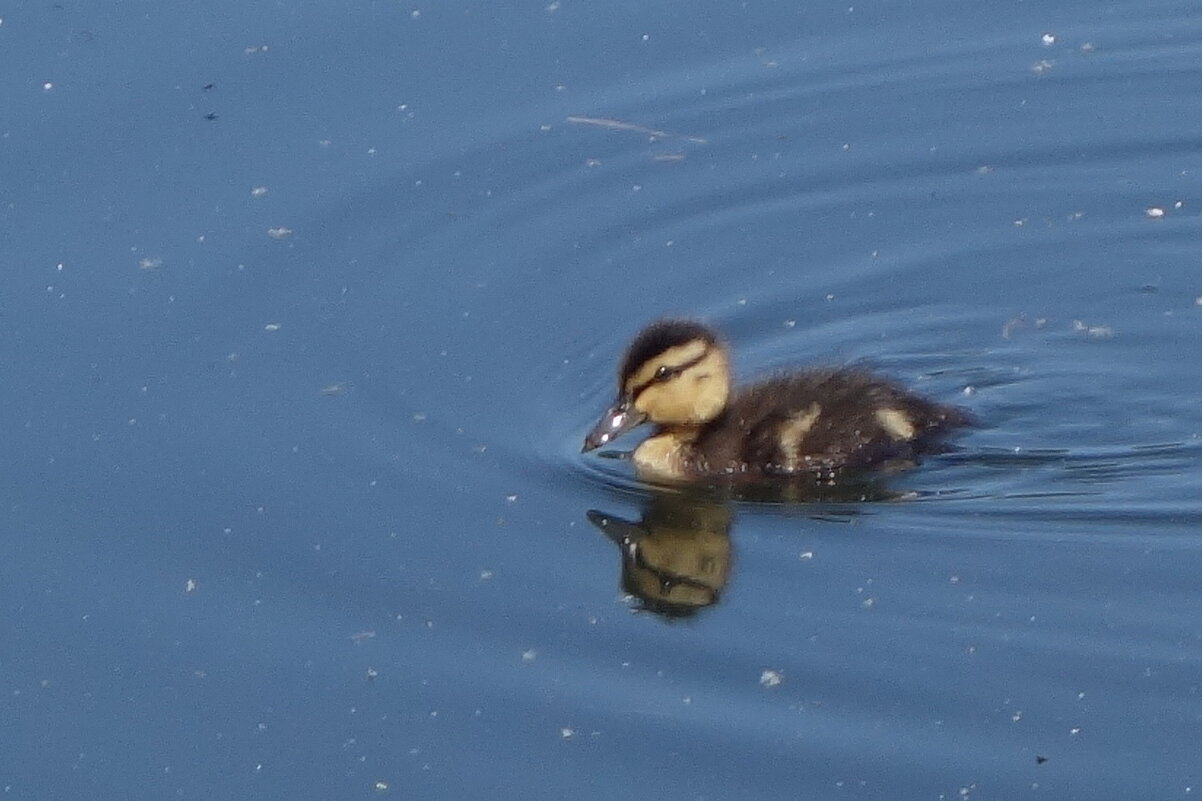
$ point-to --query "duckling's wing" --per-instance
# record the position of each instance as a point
(829, 419)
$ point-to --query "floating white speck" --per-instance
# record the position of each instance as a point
(150, 263)
(258, 191)
(529, 656)
(567, 733)
(47, 86)
(272, 327)
(1095, 331)
(805, 556)
(1048, 39)
(771, 678)
(1042, 66)
(1155, 212)
(279, 233)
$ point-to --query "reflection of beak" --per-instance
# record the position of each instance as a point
(620, 418)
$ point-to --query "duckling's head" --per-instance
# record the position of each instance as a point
(675, 373)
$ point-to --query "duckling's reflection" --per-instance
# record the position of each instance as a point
(677, 559)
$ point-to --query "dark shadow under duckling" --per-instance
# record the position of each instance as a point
(809, 424)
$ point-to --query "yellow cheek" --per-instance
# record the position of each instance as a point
(664, 403)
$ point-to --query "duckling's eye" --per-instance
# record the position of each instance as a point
(664, 373)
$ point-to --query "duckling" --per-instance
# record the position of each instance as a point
(815, 423)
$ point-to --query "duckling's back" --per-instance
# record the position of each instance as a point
(819, 421)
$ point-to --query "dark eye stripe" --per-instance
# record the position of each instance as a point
(672, 373)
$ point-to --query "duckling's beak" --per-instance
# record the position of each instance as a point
(620, 418)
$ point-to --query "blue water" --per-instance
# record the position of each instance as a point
(308, 307)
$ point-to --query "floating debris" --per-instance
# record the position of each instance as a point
(771, 678)
(1095, 331)
(619, 125)
(1020, 322)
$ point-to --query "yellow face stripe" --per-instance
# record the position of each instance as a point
(673, 358)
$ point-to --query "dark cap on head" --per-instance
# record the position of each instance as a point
(658, 337)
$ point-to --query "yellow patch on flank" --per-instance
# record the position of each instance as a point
(896, 423)
(792, 432)
(671, 358)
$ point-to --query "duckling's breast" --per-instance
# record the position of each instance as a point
(666, 455)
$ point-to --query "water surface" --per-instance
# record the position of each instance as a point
(309, 307)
